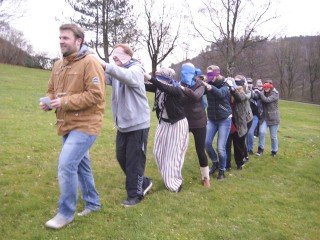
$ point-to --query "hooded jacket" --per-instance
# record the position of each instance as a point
(130, 106)
(270, 107)
(78, 80)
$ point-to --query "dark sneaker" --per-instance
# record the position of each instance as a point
(260, 152)
(221, 175)
(148, 186)
(130, 202)
(250, 152)
(213, 168)
(273, 153)
(240, 167)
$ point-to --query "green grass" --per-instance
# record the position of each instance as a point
(271, 198)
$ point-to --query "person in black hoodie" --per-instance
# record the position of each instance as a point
(172, 136)
(196, 116)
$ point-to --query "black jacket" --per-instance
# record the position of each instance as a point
(174, 102)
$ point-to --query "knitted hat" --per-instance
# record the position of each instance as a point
(267, 86)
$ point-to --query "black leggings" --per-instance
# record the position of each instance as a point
(199, 135)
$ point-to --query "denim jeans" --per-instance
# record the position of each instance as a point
(250, 136)
(273, 135)
(74, 167)
(223, 129)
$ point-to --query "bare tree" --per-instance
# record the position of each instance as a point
(13, 47)
(312, 58)
(279, 56)
(10, 10)
(230, 26)
(287, 59)
(162, 32)
(110, 22)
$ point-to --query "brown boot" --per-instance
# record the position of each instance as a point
(205, 176)
(206, 182)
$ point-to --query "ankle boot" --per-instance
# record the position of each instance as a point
(214, 168)
(220, 175)
(205, 178)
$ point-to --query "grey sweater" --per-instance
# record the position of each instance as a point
(130, 107)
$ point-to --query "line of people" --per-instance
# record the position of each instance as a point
(201, 104)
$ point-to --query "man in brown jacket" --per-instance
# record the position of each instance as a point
(76, 90)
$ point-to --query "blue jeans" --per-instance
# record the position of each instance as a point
(223, 129)
(250, 136)
(273, 134)
(74, 166)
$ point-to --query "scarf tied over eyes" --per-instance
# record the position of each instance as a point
(167, 75)
(168, 80)
(212, 75)
(123, 57)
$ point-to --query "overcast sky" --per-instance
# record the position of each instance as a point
(40, 26)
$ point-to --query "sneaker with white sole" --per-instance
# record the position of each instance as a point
(148, 186)
(130, 202)
(58, 222)
(86, 211)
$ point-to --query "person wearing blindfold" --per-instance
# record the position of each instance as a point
(241, 121)
(131, 114)
(196, 114)
(257, 109)
(172, 135)
(270, 117)
(219, 118)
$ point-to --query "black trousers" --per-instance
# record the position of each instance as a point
(239, 147)
(131, 149)
(199, 135)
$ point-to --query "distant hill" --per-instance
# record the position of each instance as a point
(10, 54)
(292, 63)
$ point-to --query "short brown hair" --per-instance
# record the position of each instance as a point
(127, 49)
(213, 68)
(77, 31)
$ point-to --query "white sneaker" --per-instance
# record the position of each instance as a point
(86, 211)
(58, 222)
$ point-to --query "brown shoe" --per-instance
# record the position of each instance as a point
(206, 182)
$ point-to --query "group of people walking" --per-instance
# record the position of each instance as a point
(205, 105)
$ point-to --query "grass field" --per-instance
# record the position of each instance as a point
(271, 198)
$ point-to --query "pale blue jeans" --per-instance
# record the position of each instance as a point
(273, 135)
(250, 135)
(221, 127)
(74, 166)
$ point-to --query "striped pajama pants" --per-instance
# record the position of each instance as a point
(170, 146)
